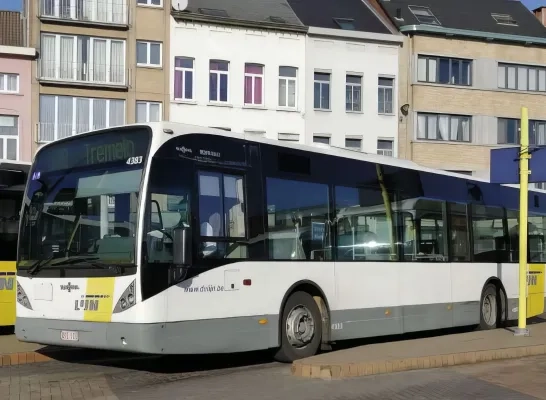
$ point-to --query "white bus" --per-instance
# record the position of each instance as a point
(167, 238)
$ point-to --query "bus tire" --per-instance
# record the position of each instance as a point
(490, 307)
(300, 329)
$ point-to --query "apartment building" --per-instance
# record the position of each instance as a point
(466, 69)
(351, 58)
(96, 68)
(15, 93)
(289, 70)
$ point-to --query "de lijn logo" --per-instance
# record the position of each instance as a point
(70, 287)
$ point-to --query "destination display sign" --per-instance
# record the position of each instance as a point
(123, 146)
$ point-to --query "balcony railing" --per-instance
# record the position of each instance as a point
(50, 131)
(83, 72)
(385, 152)
(114, 12)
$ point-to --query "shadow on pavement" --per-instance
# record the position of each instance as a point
(7, 330)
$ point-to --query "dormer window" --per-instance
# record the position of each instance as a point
(424, 15)
(504, 19)
(345, 23)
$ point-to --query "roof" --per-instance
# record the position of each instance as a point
(268, 13)
(11, 29)
(322, 14)
(470, 15)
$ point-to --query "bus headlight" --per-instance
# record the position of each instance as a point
(22, 297)
(127, 299)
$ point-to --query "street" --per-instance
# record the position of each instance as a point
(252, 376)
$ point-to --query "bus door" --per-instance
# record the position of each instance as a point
(537, 259)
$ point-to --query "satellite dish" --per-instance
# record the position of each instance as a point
(180, 5)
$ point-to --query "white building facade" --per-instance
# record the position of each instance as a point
(239, 78)
(352, 89)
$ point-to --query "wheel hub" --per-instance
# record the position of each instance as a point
(300, 326)
(489, 309)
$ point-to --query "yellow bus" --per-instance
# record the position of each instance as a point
(13, 177)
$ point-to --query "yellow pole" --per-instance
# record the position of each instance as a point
(523, 208)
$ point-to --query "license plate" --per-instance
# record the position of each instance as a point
(69, 336)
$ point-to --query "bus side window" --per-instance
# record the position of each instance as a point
(298, 220)
(458, 232)
(488, 234)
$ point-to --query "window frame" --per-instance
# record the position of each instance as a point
(148, 3)
(56, 126)
(16, 137)
(321, 84)
(4, 76)
(90, 73)
(89, 15)
(382, 152)
(349, 138)
(385, 88)
(438, 115)
(183, 70)
(287, 80)
(537, 69)
(322, 136)
(533, 131)
(148, 64)
(148, 104)
(352, 86)
(253, 77)
(218, 74)
(451, 60)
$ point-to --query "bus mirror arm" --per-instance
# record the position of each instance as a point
(182, 246)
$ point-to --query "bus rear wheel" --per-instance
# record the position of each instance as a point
(301, 328)
(491, 306)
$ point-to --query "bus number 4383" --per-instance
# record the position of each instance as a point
(134, 160)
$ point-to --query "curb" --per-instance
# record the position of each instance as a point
(326, 370)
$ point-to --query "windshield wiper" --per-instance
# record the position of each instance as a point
(39, 264)
(87, 261)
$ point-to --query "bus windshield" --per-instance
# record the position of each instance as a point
(81, 201)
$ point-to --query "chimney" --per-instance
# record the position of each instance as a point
(540, 13)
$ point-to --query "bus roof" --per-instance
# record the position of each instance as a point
(176, 128)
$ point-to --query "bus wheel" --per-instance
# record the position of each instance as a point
(489, 308)
(301, 328)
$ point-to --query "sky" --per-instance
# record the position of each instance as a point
(17, 4)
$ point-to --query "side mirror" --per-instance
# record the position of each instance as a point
(182, 246)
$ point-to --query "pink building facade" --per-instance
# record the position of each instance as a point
(16, 132)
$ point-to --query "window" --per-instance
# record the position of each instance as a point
(183, 78)
(424, 230)
(148, 54)
(536, 226)
(63, 116)
(287, 86)
(221, 215)
(82, 59)
(424, 15)
(447, 71)
(353, 143)
(9, 137)
(458, 235)
(504, 19)
(298, 225)
(147, 111)
(453, 128)
(111, 12)
(488, 234)
(345, 23)
(289, 137)
(509, 133)
(521, 77)
(155, 3)
(9, 83)
(321, 139)
(385, 95)
(365, 230)
(353, 93)
(254, 84)
(385, 147)
(218, 81)
(322, 91)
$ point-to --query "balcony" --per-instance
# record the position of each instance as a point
(50, 131)
(83, 74)
(89, 12)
